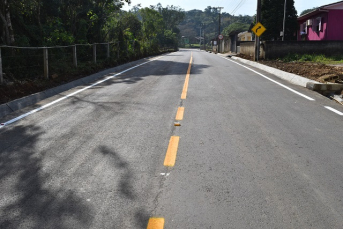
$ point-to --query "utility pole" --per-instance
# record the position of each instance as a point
(220, 9)
(204, 42)
(257, 38)
(200, 35)
(284, 21)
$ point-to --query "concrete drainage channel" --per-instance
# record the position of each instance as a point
(331, 90)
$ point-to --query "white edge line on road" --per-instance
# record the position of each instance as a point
(72, 94)
(280, 84)
(334, 110)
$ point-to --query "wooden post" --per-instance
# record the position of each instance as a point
(108, 50)
(46, 62)
(74, 56)
(94, 53)
(1, 75)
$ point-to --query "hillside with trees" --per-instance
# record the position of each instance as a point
(208, 20)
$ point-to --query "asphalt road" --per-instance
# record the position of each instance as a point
(253, 152)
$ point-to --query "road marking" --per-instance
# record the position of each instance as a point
(156, 223)
(185, 86)
(280, 84)
(179, 114)
(170, 158)
(334, 110)
(72, 94)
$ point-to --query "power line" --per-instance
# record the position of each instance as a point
(240, 4)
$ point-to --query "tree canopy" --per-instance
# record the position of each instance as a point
(272, 14)
(307, 11)
(236, 27)
(208, 21)
(65, 22)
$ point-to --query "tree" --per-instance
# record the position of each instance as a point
(208, 21)
(272, 12)
(152, 22)
(53, 22)
(236, 27)
(5, 15)
(307, 11)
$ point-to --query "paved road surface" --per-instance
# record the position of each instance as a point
(253, 152)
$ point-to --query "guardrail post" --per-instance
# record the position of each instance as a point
(1, 75)
(108, 50)
(74, 56)
(94, 53)
(46, 62)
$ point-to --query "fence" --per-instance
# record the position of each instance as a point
(24, 62)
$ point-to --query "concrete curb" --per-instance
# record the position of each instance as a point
(21, 103)
(324, 88)
(290, 77)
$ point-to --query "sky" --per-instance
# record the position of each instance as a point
(235, 7)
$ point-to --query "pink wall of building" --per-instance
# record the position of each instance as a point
(313, 35)
(335, 29)
(332, 27)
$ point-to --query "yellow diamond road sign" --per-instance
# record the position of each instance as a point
(258, 29)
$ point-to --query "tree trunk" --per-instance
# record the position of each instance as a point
(5, 34)
(6, 19)
(38, 18)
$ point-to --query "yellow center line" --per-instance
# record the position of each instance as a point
(156, 223)
(179, 114)
(185, 86)
(172, 151)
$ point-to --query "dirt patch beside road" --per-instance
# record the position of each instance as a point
(318, 72)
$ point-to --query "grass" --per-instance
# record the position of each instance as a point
(315, 58)
(192, 46)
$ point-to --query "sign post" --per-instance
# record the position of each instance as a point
(258, 29)
(220, 37)
(257, 38)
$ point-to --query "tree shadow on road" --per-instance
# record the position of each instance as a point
(26, 200)
(126, 187)
(125, 184)
(160, 68)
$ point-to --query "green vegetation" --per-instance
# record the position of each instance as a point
(194, 46)
(37, 23)
(236, 27)
(307, 11)
(272, 12)
(208, 20)
(316, 58)
(55, 22)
